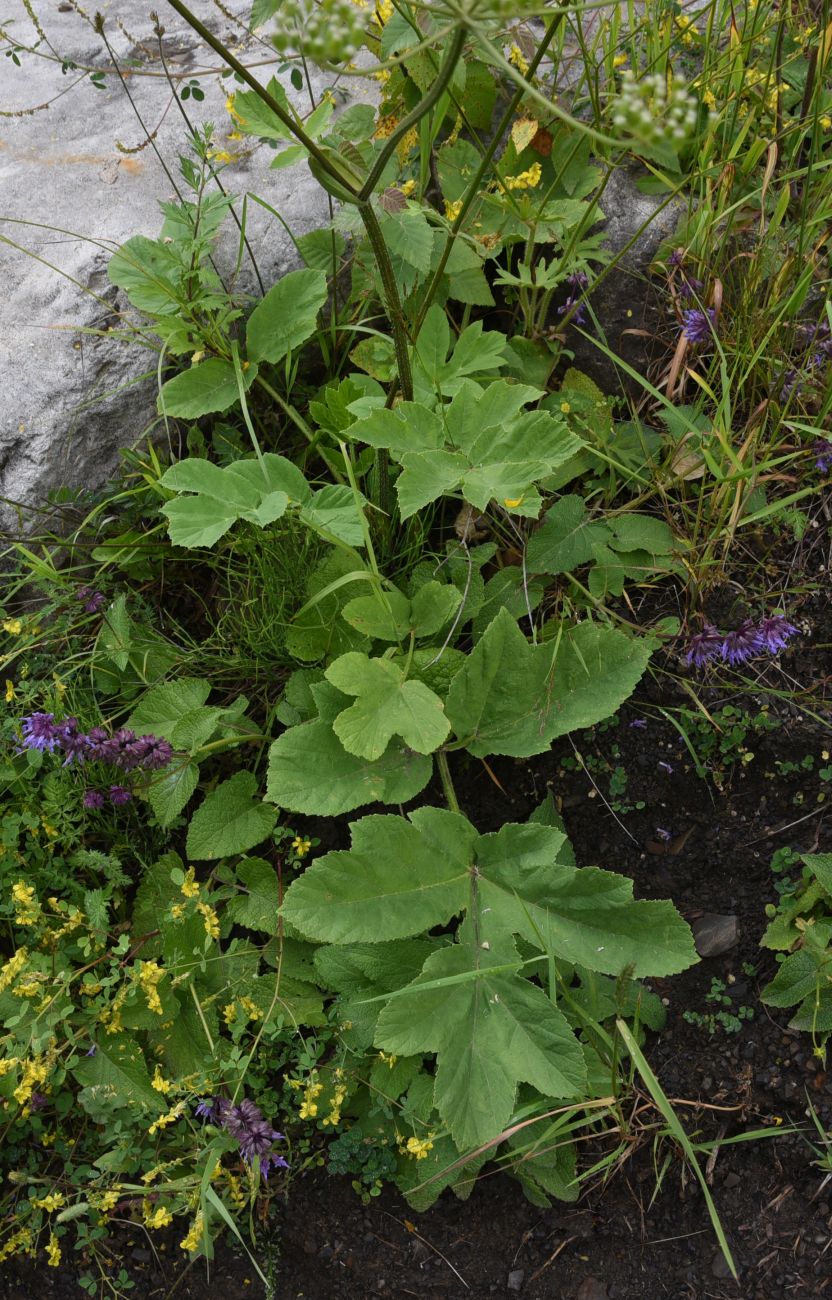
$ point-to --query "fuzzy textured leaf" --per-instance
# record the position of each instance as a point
(230, 819)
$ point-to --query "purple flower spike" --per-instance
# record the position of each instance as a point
(153, 751)
(775, 631)
(255, 1134)
(743, 643)
(639, 723)
(119, 794)
(72, 741)
(704, 647)
(698, 325)
(213, 1109)
(40, 732)
(689, 286)
(92, 600)
(93, 799)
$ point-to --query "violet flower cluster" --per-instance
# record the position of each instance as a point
(698, 325)
(816, 357)
(577, 282)
(688, 285)
(92, 600)
(246, 1124)
(122, 749)
(768, 636)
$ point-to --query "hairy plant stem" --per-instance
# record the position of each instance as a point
(485, 163)
(447, 784)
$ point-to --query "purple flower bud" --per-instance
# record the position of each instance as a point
(743, 643)
(93, 799)
(92, 1051)
(666, 767)
(119, 794)
(99, 745)
(698, 325)
(640, 723)
(40, 732)
(689, 286)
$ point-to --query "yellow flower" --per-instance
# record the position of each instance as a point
(16, 1243)
(9, 691)
(301, 846)
(515, 56)
(53, 1201)
(384, 11)
(229, 1013)
(408, 142)
(12, 968)
(826, 121)
(452, 210)
(53, 1251)
(26, 905)
(33, 1073)
(407, 187)
(13, 626)
(106, 1201)
(8, 1064)
(59, 686)
(222, 156)
(709, 100)
(194, 1236)
(389, 1061)
(159, 1082)
(526, 180)
(418, 1147)
(177, 911)
(158, 1218)
(309, 1106)
(251, 1009)
(190, 888)
(619, 60)
(230, 109)
(149, 975)
(511, 503)
(210, 920)
(163, 1120)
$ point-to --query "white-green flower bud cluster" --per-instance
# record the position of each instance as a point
(328, 32)
(645, 110)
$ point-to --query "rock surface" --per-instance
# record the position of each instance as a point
(71, 398)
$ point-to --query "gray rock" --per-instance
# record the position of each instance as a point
(71, 195)
(516, 1278)
(627, 299)
(714, 934)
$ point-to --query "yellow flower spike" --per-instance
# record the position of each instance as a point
(158, 1218)
(619, 60)
(12, 968)
(515, 56)
(452, 210)
(194, 1236)
(53, 1251)
(189, 888)
(9, 691)
(149, 975)
(13, 626)
(50, 1203)
(210, 920)
(418, 1147)
(160, 1083)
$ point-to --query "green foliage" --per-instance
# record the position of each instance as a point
(800, 932)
